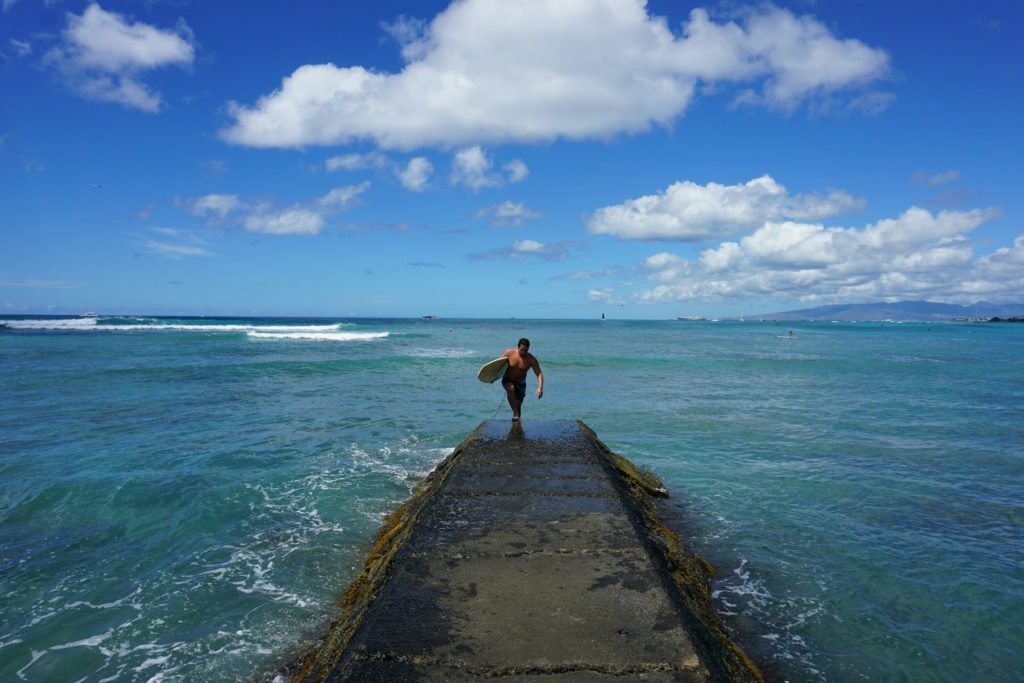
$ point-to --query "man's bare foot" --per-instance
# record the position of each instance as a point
(515, 418)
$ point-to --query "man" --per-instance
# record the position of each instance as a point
(520, 360)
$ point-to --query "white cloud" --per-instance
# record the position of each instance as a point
(409, 32)
(20, 47)
(415, 177)
(935, 179)
(507, 214)
(185, 244)
(585, 275)
(217, 166)
(40, 284)
(686, 211)
(522, 249)
(528, 246)
(173, 251)
(799, 56)
(356, 162)
(303, 220)
(293, 221)
(492, 71)
(918, 255)
(517, 171)
(307, 218)
(343, 197)
(101, 56)
(219, 205)
(471, 167)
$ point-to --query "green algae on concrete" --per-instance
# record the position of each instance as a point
(531, 552)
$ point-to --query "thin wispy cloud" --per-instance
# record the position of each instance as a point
(217, 166)
(507, 214)
(292, 221)
(935, 179)
(173, 251)
(174, 244)
(590, 275)
(356, 162)
(521, 250)
(263, 217)
(215, 205)
(20, 47)
(38, 284)
(415, 176)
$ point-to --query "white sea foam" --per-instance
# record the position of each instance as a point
(303, 335)
(298, 332)
(93, 641)
(442, 353)
(52, 324)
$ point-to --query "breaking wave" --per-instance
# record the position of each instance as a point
(316, 336)
(329, 332)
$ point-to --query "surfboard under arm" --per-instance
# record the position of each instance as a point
(490, 371)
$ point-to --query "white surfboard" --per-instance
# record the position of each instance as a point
(492, 370)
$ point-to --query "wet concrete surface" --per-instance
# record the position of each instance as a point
(525, 564)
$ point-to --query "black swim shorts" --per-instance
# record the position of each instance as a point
(520, 387)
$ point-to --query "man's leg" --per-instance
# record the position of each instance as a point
(513, 402)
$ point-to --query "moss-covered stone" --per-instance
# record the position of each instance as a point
(316, 664)
(690, 573)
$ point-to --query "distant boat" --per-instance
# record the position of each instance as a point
(90, 314)
(430, 317)
(690, 317)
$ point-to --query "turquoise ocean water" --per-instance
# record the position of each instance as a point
(185, 499)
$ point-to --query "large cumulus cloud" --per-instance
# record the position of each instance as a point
(495, 71)
(917, 255)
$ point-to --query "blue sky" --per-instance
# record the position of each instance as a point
(508, 157)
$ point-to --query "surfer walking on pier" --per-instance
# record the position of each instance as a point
(520, 360)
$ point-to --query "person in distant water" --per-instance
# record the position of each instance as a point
(520, 360)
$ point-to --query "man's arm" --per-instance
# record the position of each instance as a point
(540, 378)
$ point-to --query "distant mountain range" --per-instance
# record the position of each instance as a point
(909, 311)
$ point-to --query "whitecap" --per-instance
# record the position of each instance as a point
(442, 353)
(91, 325)
(52, 324)
(317, 336)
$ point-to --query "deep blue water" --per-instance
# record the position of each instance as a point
(186, 499)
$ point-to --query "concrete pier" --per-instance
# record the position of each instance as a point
(531, 553)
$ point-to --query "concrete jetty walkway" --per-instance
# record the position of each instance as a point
(532, 553)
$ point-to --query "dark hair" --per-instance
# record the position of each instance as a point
(523, 341)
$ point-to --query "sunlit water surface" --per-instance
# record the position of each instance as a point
(186, 499)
